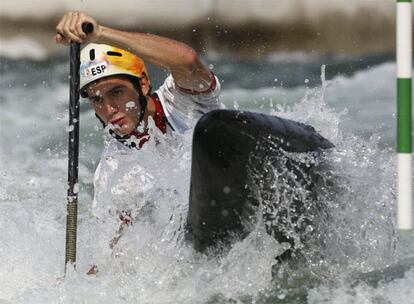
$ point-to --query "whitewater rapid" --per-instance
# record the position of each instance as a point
(152, 262)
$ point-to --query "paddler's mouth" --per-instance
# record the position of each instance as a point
(117, 120)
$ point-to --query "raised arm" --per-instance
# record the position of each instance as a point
(183, 62)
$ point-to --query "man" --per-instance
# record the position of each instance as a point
(115, 80)
(117, 83)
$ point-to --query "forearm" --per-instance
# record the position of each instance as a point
(183, 62)
(158, 50)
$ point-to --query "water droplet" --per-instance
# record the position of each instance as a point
(131, 105)
(309, 228)
(281, 296)
(76, 188)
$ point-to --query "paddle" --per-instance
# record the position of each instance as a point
(73, 154)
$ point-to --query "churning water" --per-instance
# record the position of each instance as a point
(364, 258)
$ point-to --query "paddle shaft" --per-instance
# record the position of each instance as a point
(73, 150)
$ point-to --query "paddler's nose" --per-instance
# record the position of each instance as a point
(111, 107)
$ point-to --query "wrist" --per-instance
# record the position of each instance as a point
(100, 33)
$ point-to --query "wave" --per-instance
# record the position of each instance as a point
(149, 266)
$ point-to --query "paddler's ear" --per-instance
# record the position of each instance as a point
(145, 86)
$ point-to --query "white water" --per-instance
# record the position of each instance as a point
(152, 263)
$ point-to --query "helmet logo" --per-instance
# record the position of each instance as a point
(95, 70)
(101, 60)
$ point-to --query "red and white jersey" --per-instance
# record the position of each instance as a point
(181, 108)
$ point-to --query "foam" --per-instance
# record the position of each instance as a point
(153, 264)
(394, 292)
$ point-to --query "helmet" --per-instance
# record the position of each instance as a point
(101, 60)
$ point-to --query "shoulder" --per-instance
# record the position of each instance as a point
(182, 107)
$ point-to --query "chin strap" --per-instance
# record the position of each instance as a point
(142, 99)
(143, 102)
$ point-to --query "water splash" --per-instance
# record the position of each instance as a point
(153, 263)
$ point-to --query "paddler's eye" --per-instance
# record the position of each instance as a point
(95, 101)
(117, 92)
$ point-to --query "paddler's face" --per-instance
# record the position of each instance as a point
(116, 102)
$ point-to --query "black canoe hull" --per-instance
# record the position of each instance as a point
(221, 191)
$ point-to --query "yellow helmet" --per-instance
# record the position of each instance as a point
(101, 60)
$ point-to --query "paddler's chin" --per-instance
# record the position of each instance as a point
(123, 127)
